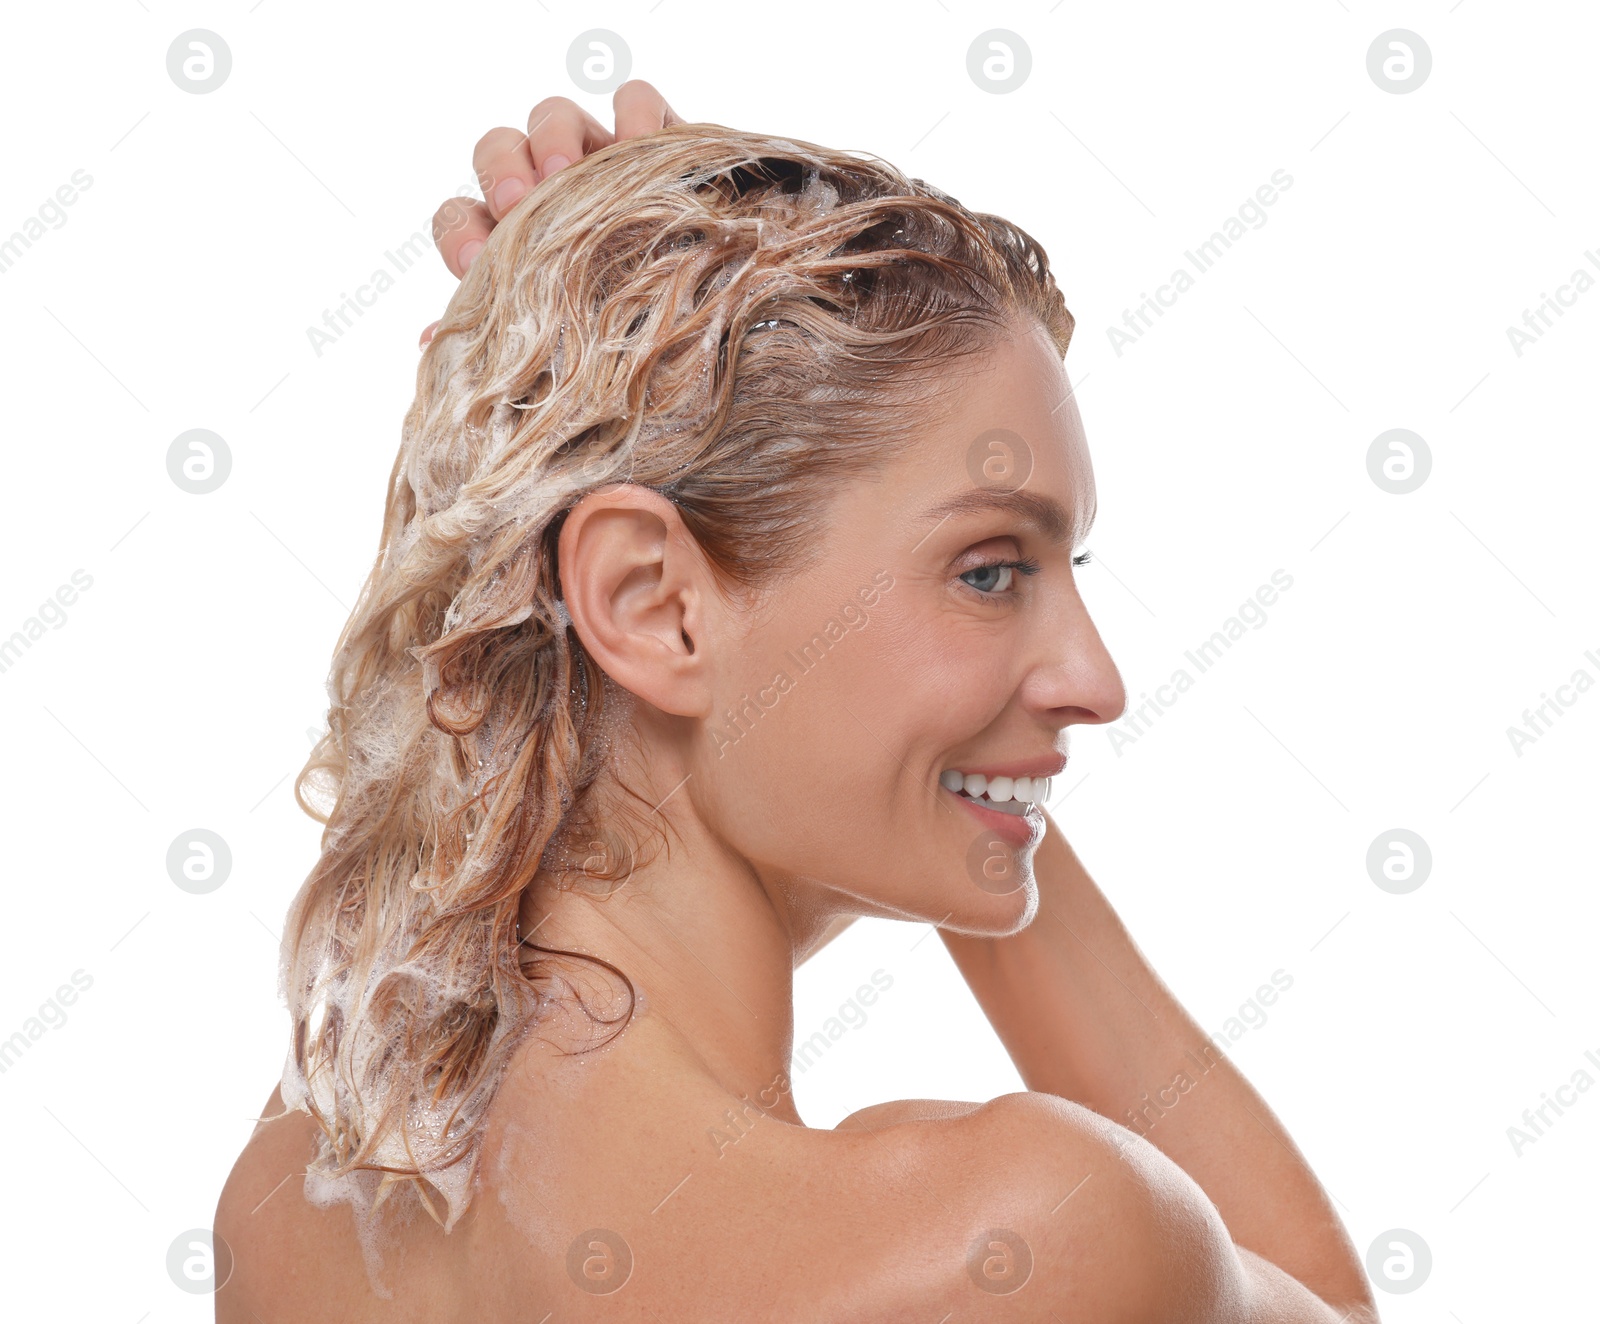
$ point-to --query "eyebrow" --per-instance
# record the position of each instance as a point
(1045, 514)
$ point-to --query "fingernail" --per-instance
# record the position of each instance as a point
(554, 162)
(506, 193)
(427, 334)
(468, 252)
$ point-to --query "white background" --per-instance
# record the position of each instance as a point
(1229, 442)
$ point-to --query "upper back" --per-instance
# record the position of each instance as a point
(613, 1190)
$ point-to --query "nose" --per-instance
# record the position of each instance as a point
(1075, 679)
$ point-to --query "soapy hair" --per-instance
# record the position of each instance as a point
(741, 323)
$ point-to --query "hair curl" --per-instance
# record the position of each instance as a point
(718, 315)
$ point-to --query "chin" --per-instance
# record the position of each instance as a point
(991, 890)
(996, 916)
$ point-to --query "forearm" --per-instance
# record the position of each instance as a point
(1084, 1016)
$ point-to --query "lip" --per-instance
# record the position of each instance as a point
(1018, 830)
(1046, 765)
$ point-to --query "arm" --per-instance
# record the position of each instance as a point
(1085, 1017)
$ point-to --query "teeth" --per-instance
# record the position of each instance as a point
(1016, 808)
(999, 790)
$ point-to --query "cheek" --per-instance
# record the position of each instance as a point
(943, 679)
(804, 751)
(837, 731)
(888, 699)
(805, 771)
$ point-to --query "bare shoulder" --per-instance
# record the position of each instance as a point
(1030, 1207)
(247, 1221)
(283, 1250)
(280, 1137)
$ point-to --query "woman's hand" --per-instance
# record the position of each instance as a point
(508, 164)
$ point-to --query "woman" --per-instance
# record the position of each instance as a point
(725, 593)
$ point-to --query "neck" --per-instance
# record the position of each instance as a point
(709, 945)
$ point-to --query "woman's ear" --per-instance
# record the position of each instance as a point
(638, 588)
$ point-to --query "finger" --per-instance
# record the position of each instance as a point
(560, 132)
(427, 333)
(504, 169)
(640, 109)
(458, 225)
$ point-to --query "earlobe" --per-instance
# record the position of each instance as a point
(633, 580)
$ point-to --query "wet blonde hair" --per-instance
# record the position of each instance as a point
(739, 322)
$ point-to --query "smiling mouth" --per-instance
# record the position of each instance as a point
(1006, 795)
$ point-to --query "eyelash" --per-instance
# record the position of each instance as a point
(1027, 566)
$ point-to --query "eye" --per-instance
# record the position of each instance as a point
(1083, 558)
(995, 576)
